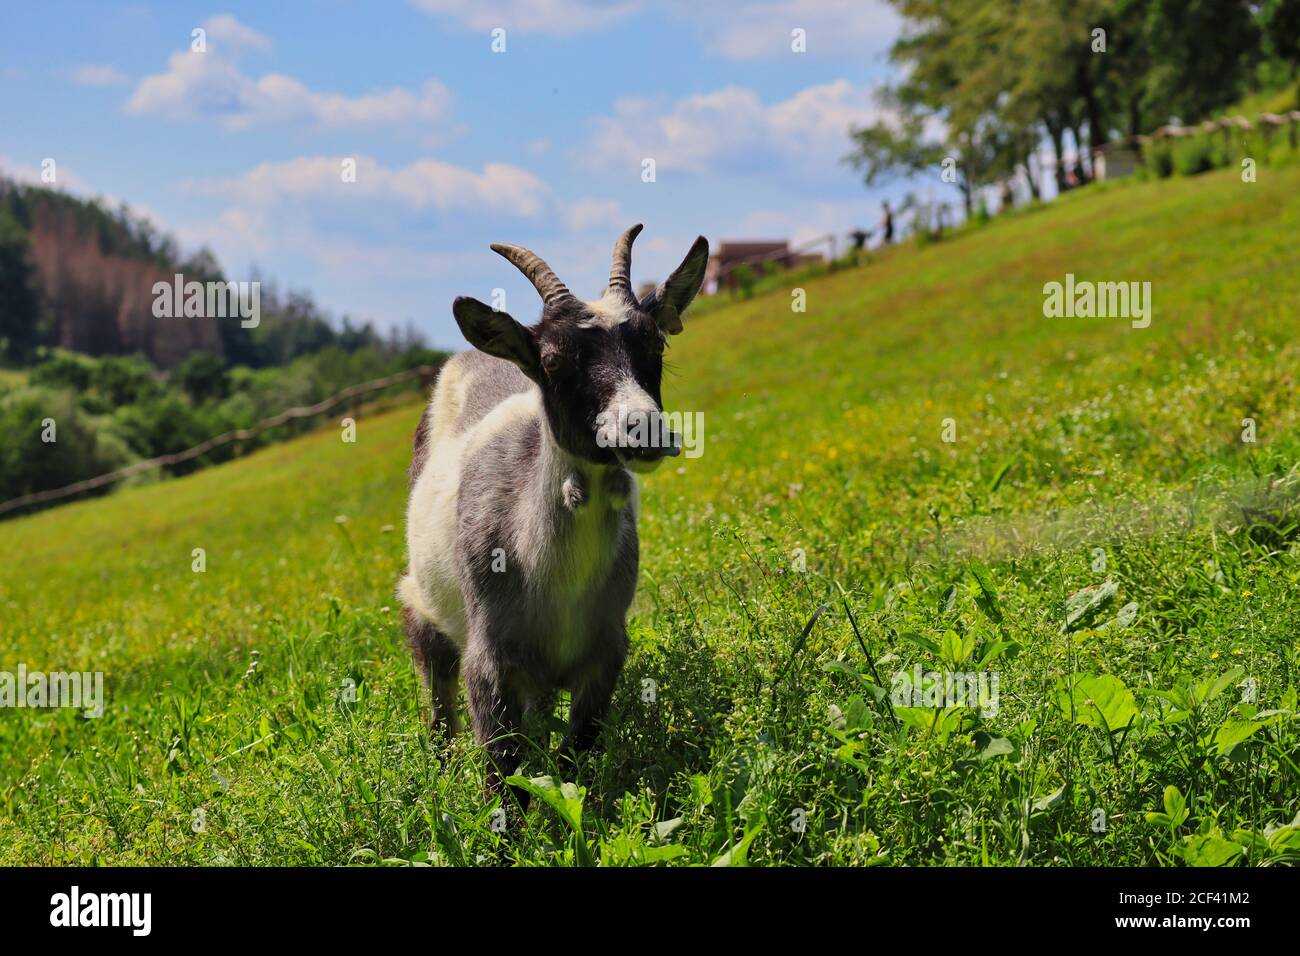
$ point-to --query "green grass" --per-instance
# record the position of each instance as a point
(1088, 455)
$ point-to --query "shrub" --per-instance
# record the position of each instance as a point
(84, 445)
(162, 425)
(1160, 160)
(745, 278)
(64, 371)
(121, 380)
(203, 377)
(1193, 156)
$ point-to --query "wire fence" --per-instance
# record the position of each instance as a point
(425, 374)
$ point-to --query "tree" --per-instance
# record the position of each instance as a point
(20, 308)
(744, 277)
(949, 113)
(203, 377)
(1279, 24)
(986, 80)
(122, 380)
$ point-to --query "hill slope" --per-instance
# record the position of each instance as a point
(1086, 451)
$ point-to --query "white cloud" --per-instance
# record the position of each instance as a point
(226, 30)
(553, 17)
(211, 84)
(736, 29)
(97, 74)
(498, 187)
(762, 28)
(731, 129)
(585, 214)
(242, 235)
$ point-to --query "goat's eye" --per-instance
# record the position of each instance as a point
(551, 362)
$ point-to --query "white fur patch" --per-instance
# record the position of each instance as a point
(629, 402)
(608, 312)
(432, 586)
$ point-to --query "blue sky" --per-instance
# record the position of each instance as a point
(240, 147)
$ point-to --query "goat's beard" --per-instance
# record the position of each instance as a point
(639, 465)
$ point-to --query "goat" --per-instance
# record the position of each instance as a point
(522, 519)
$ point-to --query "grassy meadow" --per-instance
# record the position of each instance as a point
(1098, 536)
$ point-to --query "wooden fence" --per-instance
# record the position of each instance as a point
(425, 373)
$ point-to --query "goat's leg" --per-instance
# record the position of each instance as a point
(592, 696)
(496, 713)
(438, 659)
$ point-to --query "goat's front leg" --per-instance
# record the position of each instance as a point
(591, 697)
(496, 711)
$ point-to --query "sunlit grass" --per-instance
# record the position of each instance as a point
(230, 692)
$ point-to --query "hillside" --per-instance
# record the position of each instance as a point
(231, 733)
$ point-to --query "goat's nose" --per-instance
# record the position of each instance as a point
(662, 444)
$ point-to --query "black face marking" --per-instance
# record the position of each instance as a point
(584, 361)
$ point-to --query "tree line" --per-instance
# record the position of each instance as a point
(991, 85)
(76, 273)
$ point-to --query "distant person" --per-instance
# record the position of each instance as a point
(1006, 198)
(859, 237)
(887, 224)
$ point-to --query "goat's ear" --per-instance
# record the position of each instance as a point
(496, 333)
(667, 303)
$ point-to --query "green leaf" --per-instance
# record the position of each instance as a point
(1233, 732)
(870, 686)
(1210, 849)
(1212, 687)
(1175, 804)
(922, 642)
(666, 828)
(987, 599)
(738, 855)
(1097, 700)
(996, 649)
(996, 483)
(566, 800)
(941, 722)
(1049, 801)
(1084, 605)
(1175, 812)
(996, 747)
(701, 791)
(658, 854)
(954, 649)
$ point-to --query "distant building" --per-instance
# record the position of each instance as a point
(730, 254)
(1115, 160)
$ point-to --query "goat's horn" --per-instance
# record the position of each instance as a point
(542, 276)
(620, 271)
